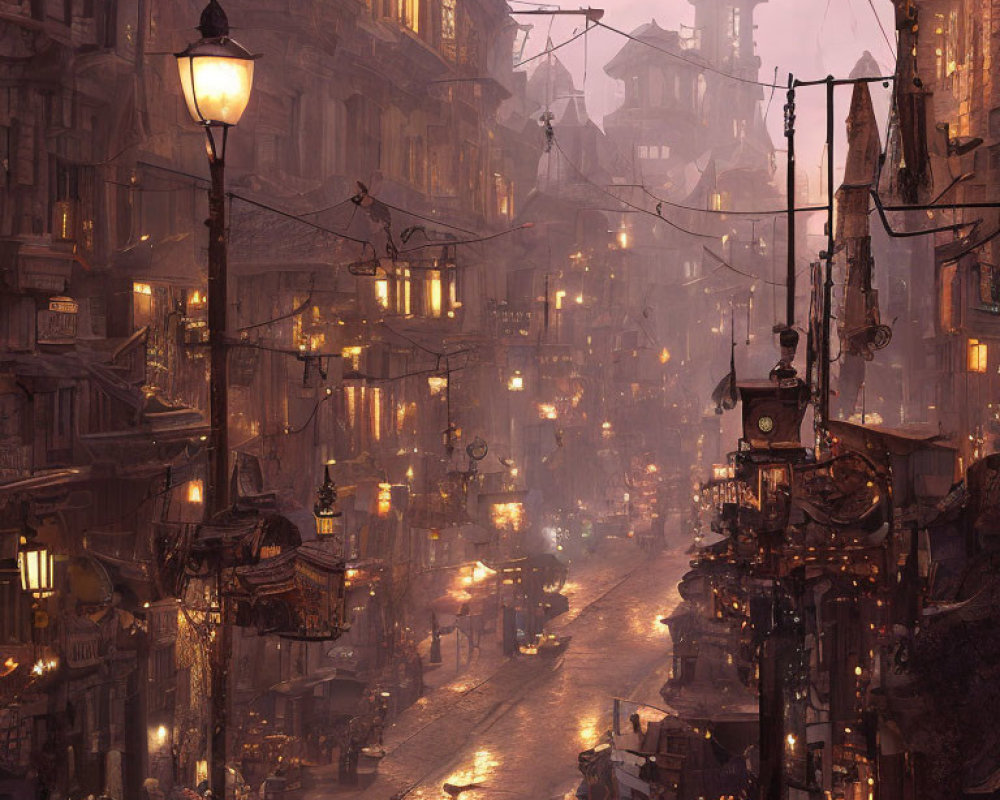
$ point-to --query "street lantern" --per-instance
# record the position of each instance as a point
(216, 72)
(36, 565)
(325, 510)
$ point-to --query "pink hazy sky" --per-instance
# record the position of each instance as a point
(809, 38)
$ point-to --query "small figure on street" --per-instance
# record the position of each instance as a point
(435, 640)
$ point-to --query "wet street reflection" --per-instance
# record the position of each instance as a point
(517, 731)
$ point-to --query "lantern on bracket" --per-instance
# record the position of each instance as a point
(37, 567)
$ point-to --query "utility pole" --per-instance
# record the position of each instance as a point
(790, 190)
(824, 358)
(823, 367)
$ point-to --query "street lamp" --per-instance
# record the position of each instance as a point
(216, 73)
(216, 77)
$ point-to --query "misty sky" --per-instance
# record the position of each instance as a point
(810, 38)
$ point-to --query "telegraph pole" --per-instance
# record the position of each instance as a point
(790, 191)
(824, 358)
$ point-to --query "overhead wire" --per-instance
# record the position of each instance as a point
(296, 218)
(727, 265)
(552, 49)
(691, 61)
(294, 312)
(428, 219)
(640, 209)
(488, 237)
(885, 36)
(748, 212)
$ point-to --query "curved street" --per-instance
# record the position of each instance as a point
(517, 726)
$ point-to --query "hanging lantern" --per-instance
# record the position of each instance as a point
(325, 509)
(36, 565)
(384, 499)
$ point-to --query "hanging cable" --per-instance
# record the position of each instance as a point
(550, 49)
(885, 36)
(294, 312)
(691, 61)
(487, 238)
(749, 212)
(296, 218)
(614, 197)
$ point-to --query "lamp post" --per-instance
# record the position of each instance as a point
(216, 76)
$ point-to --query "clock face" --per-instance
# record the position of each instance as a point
(765, 424)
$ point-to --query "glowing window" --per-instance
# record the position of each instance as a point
(978, 357)
(434, 293)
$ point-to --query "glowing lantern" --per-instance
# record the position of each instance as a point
(623, 240)
(547, 411)
(437, 383)
(516, 382)
(384, 499)
(325, 509)
(216, 73)
(37, 567)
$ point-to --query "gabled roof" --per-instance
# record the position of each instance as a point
(634, 51)
(550, 80)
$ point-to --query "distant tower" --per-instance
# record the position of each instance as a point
(725, 30)
(724, 33)
(675, 111)
(660, 125)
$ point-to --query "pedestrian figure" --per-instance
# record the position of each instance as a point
(435, 640)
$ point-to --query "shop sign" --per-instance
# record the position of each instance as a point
(57, 324)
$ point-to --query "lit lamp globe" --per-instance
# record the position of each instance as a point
(37, 567)
(216, 72)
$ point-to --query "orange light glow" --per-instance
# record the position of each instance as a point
(507, 516)
(547, 411)
(384, 499)
(978, 356)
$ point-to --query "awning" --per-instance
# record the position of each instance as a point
(54, 478)
(296, 687)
